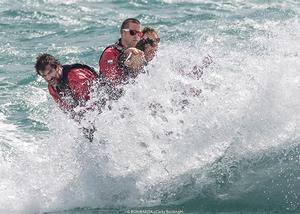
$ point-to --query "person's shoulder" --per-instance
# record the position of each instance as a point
(110, 50)
(109, 56)
(81, 73)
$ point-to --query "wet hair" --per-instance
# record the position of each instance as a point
(143, 42)
(126, 22)
(45, 59)
(141, 45)
(148, 30)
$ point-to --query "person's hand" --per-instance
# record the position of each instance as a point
(135, 58)
(134, 51)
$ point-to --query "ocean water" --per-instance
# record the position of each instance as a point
(233, 149)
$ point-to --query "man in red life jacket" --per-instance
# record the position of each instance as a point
(149, 45)
(69, 85)
(110, 66)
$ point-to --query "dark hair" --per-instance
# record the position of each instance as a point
(148, 30)
(45, 59)
(141, 45)
(126, 22)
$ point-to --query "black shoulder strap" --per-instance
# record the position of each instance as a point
(68, 68)
(65, 81)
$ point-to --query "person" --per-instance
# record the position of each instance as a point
(69, 85)
(111, 68)
(148, 44)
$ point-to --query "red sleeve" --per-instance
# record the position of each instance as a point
(109, 66)
(63, 105)
(80, 82)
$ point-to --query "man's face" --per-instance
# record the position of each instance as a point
(131, 35)
(150, 50)
(52, 75)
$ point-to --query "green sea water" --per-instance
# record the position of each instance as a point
(233, 149)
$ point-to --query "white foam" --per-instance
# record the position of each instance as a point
(155, 134)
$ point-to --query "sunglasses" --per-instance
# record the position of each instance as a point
(152, 42)
(133, 32)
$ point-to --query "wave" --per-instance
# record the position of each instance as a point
(234, 147)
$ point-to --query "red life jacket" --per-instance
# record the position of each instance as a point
(74, 88)
(110, 67)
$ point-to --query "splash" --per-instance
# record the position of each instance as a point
(162, 143)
